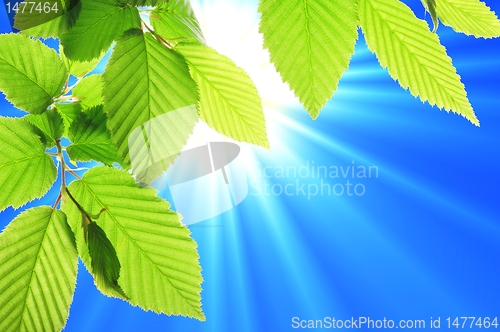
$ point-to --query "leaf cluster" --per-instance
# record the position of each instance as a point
(134, 118)
(311, 44)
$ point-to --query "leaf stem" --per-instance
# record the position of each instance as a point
(86, 216)
(69, 88)
(76, 203)
(60, 157)
(66, 85)
(63, 99)
(57, 201)
(64, 189)
(66, 88)
(73, 173)
(157, 36)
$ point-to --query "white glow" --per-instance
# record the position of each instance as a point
(232, 28)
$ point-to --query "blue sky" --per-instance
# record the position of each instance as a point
(421, 242)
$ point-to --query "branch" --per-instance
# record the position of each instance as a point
(157, 36)
(70, 171)
(57, 201)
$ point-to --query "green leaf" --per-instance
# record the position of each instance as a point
(176, 22)
(48, 25)
(100, 23)
(413, 55)
(40, 134)
(79, 68)
(229, 101)
(50, 124)
(160, 269)
(311, 43)
(89, 91)
(156, 144)
(144, 3)
(38, 274)
(26, 171)
(471, 17)
(91, 140)
(31, 74)
(68, 112)
(104, 262)
(143, 80)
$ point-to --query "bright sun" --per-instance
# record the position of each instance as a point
(232, 28)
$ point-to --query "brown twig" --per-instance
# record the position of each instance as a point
(157, 36)
(70, 171)
(57, 200)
